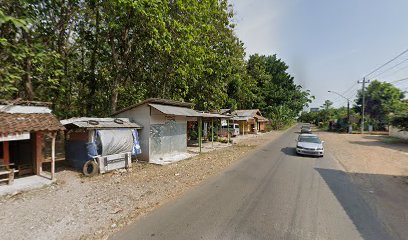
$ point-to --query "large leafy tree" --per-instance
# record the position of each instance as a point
(30, 69)
(94, 57)
(381, 99)
(276, 93)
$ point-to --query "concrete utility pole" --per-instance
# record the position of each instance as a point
(363, 104)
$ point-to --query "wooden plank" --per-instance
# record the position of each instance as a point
(38, 153)
(6, 153)
(53, 156)
(11, 177)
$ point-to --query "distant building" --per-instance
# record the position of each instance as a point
(250, 120)
(314, 109)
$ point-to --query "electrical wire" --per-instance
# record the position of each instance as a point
(388, 69)
(388, 62)
(400, 80)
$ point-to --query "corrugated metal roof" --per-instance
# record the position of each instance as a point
(85, 122)
(261, 118)
(214, 115)
(174, 110)
(241, 118)
(157, 101)
(24, 109)
(246, 112)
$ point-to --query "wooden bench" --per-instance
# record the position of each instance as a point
(24, 169)
(6, 170)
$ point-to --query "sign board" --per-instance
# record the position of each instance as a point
(223, 122)
(5, 137)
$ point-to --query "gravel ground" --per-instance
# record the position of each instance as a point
(378, 166)
(76, 207)
(370, 154)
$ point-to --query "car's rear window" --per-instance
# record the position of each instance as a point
(309, 139)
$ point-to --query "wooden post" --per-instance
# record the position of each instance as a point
(54, 135)
(199, 133)
(6, 153)
(228, 133)
(212, 132)
(38, 153)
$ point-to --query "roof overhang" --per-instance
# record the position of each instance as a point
(175, 110)
(99, 123)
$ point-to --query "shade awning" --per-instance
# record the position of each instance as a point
(214, 115)
(174, 110)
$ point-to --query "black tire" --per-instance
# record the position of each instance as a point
(90, 168)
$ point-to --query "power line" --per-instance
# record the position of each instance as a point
(386, 70)
(378, 68)
(345, 92)
(350, 88)
(394, 72)
(400, 80)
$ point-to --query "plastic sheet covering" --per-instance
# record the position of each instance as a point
(136, 144)
(114, 141)
(91, 150)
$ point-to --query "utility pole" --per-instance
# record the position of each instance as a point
(363, 104)
(348, 115)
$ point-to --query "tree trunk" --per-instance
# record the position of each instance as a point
(92, 85)
(28, 85)
(115, 71)
(114, 98)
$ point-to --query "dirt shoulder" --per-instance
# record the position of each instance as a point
(371, 154)
(92, 208)
(378, 166)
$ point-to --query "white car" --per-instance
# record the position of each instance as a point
(309, 144)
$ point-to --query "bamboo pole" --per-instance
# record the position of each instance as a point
(53, 156)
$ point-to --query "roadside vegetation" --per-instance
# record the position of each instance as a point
(91, 58)
(384, 106)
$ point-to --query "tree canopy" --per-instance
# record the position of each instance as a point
(91, 58)
(381, 99)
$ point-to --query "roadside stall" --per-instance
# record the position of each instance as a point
(101, 144)
(24, 126)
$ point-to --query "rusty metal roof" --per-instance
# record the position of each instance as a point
(28, 122)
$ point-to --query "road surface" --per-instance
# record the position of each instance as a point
(269, 194)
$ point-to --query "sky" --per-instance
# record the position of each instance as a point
(328, 45)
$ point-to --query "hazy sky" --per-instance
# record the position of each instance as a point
(328, 44)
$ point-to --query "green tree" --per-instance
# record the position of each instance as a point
(381, 99)
(275, 92)
(327, 105)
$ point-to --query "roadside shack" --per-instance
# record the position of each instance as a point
(164, 133)
(24, 126)
(101, 144)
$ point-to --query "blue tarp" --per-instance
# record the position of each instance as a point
(105, 142)
(136, 150)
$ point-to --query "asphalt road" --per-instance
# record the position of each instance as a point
(269, 194)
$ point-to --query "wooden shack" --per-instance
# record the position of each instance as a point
(23, 128)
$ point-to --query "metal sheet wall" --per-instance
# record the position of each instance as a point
(168, 138)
